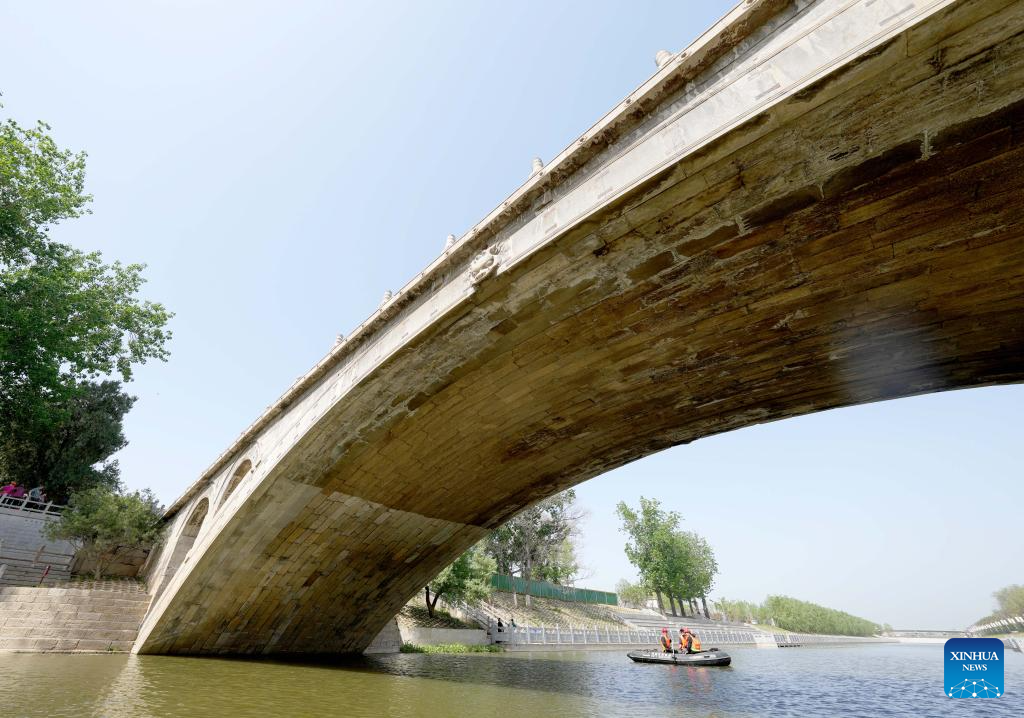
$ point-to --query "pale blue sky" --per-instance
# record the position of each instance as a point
(279, 165)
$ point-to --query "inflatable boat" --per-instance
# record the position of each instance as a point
(711, 657)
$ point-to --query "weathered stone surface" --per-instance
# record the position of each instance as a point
(854, 235)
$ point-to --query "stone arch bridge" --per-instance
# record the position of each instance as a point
(816, 204)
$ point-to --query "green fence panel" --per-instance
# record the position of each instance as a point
(543, 589)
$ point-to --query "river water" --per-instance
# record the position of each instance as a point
(880, 680)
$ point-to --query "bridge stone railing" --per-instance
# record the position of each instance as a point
(31, 506)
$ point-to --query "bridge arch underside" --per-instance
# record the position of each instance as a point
(858, 242)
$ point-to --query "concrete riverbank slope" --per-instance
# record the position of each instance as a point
(70, 620)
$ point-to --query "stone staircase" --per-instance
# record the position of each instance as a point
(22, 567)
(70, 619)
(27, 557)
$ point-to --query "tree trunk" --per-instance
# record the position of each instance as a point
(672, 603)
(430, 606)
(661, 604)
(682, 606)
(704, 601)
(430, 609)
(529, 577)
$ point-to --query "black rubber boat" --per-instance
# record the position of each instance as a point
(712, 657)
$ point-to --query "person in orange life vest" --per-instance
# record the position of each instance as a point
(666, 641)
(688, 642)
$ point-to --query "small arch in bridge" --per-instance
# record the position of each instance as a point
(236, 478)
(195, 521)
(186, 539)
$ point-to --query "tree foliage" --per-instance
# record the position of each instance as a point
(632, 594)
(71, 453)
(99, 521)
(467, 579)
(799, 616)
(672, 563)
(1009, 609)
(67, 318)
(537, 542)
(40, 185)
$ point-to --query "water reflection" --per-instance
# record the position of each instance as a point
(860, 681)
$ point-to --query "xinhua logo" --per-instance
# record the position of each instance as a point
(974, 668)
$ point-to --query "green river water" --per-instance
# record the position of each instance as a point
(879, 680)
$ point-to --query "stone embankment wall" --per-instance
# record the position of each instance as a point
(70, 619)
(25, 552)
(389, 640)
(125, 564)
(427, 636)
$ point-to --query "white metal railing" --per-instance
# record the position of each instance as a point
(796, 639)
(576, 635)
(31, 506)
(474, 613)
(1005, 625)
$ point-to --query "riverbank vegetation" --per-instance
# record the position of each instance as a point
(101, 521)
(450, 648)
(798, 616)
(467, 579)
(675, 565)
(414, 614)
(72, 327)
(1009, 613)
(539, 543)
(536, 545)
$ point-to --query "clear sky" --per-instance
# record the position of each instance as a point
(279, 165)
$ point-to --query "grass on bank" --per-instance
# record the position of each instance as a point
(450, 648)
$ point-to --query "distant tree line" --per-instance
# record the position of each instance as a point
(799, 616)
(677, 566)
(1010, 607)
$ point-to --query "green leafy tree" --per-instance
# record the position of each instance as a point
(99, 521)
(71, 454)
(531, 544)
(40, 185)
(467, 579)
(561, 566)
(679, 565)
(1009, 610)
(650, 530)
(632, 594)
(66, 317)
(799, 616)
(1010, 600)
(701, 566)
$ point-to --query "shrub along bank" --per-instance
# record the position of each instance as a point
(799, 616)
